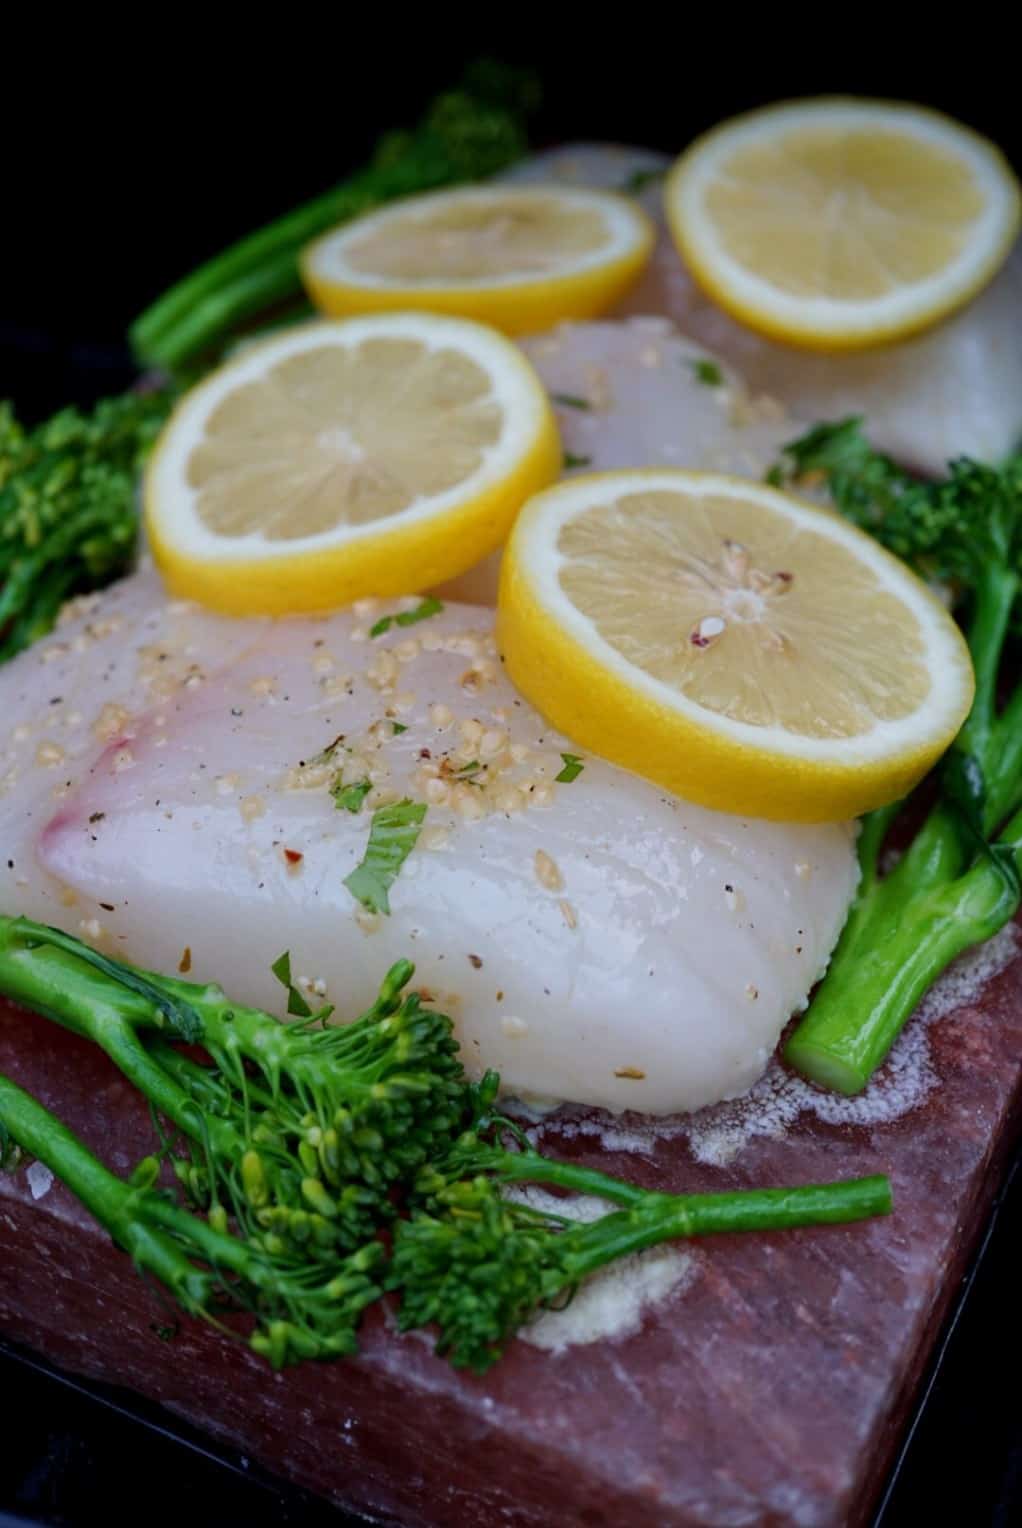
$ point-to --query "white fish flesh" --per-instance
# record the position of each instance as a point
(161, 795)
(639, 394)
(956, 390)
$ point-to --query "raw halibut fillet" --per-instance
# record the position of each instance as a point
(614, 946)
(636, 394)
(952, 392)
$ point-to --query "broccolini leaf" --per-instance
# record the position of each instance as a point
(296, 1004)
(178, 1013)
(392, 837)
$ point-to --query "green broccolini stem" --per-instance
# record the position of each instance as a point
(746, 1209)
(125, 1211)
(664, 1217)
(463, 137)
(893, 955)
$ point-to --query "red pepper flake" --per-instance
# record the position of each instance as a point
(293, 856)
(184, 965)
(698, 641)
(424, 753)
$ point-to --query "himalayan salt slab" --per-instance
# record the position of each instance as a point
(742, 1382)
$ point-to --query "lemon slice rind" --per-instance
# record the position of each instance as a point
(576, 284)
(562, 663)
(819, 322)
(428, 541)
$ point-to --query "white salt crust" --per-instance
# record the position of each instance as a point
(611, 1303)
(717, 1135)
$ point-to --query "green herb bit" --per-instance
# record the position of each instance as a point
(392, 837)
(774, 476)
(707, 372)
(349, 798)
(638, 180)
(573, 767)
(571, 401)
(398, 727)
(422, 612)
(571, 460)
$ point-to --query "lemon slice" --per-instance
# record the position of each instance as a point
(836, 224)
(340, 460)
(741, 648)
(521, 258)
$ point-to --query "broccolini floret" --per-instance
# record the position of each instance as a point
(298, 1311)
(298, 1131)
(68, 516)
(479, 1265)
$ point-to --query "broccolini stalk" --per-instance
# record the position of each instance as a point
(481, 1265)
(958, 882)
(68, 519)
(207, 1271)
(299, 1132)
(466, 135)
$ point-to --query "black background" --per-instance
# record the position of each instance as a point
(133, 149)
(127, 163)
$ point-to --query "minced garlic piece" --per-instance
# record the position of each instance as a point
(110, 721)
(547, 873)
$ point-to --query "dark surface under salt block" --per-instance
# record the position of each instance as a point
(769, 1390)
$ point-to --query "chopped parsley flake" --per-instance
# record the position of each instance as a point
(775, 476)
(422, 612)
(398, 727)
(349, 798)
(392, 837)
(571, 401)
(639, 180)
(573, 767)
(571, 460)
(707, 372)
